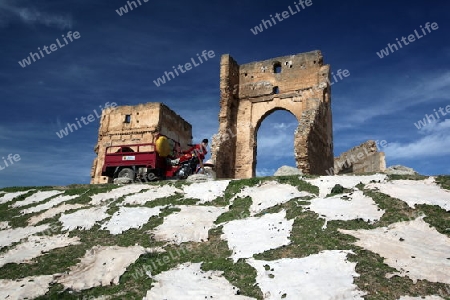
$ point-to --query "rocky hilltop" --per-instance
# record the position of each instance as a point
(285, 237)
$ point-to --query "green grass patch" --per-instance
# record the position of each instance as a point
(443, 181)
(240, 209)
(395, 210)
(299, 183)
(406, 177)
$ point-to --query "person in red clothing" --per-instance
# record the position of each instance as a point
(199, 150)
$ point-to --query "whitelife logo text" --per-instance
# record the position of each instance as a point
(86, 120)
(411, 38)
(266, 24)
(187, 67)
(53, 47)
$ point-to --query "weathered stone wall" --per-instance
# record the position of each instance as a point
(360, 159)
(250, 92)
(223, 145)
(138, 124)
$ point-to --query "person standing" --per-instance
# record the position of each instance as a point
(200, 150)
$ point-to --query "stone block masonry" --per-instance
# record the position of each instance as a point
(137, 124)
(250, 92)
(364, 158)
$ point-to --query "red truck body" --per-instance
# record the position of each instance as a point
(140, 161)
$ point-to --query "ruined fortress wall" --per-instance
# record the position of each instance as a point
(174, 126)
(361, 159)
(136, 125)
(223, 146)
(250, 92)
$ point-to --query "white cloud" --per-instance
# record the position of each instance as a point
(436, 126)
(12, 11)
(284, 126)
(264, 172)
(276, 143)
(403, 95)
(435, 141)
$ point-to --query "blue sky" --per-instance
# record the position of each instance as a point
(116, 58)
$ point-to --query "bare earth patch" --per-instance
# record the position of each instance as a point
(25, 288)
(154, 193)
(421, 298)
(49, 204)
(10, 196)
(191, 224)
(130, 217)
(4, 225)
(36, 246)
(206, 191)
(188, 281)
(269, 194)
(416, 192)
(53, 212)
(83, 219)
(255, 235)
(100, 266)
(323, 276)
(415, 249)
(354, 206)
(36, 197)
(326, 183)
(117, 193)
(10, 236)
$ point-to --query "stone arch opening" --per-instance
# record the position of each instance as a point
(274, 141)
(277, 67)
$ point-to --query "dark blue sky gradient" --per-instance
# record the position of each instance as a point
(118, 57)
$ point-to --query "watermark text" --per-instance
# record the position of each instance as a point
(124, 9)
(48, 50)
(11, 159)
(187, 67)
(431, 118)
(85, 120)
(391, 48)
(266, 24)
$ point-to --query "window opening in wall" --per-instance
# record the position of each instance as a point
(277, 68)
(276, 90)
(127, 119)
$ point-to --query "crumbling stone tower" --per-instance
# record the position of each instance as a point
(126, 125)
(250, 92)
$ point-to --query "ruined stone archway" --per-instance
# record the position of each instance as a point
(274, 142)
(248, 92)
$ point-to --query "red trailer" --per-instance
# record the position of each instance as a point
(145, 162)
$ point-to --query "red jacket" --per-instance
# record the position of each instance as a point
(199, 150)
